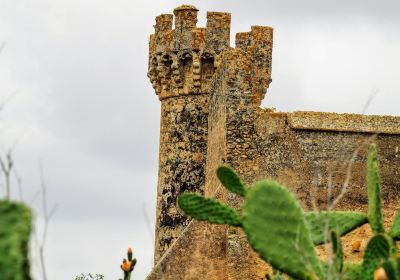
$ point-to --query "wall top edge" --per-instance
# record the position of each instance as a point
(356, 123)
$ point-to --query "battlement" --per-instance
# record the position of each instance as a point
(257, 44)
(183, 60)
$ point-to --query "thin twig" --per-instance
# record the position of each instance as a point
(313, 195)
(4, 102)
(34, 197)
(2, 46)
(148, 226)
(35, 243)
(6, 165)
(19, 184)
(147, 221)
(369, 100)
(47, 216)
(348, 172)
(354, 156)
(344, 187)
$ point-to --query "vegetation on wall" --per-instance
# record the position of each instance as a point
(284, 235)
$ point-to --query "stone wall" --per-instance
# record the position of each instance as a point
(183, 149)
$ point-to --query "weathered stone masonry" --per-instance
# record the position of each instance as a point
(210, 115)
(181, 68)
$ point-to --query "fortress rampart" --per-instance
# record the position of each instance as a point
(210, 116)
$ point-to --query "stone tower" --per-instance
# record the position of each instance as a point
(182, 63)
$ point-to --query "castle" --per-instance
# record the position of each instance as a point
(210, 97)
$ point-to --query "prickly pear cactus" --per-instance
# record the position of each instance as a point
(378, 250)
(337, 251)
(128, 265)
(395, 230)
(206, 209)
(231, 180)
(15, 229)
(284, 235)
(276, 228)
(341, 222)
(390, 268)
(374, 192)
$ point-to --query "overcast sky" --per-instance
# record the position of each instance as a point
(83, 106)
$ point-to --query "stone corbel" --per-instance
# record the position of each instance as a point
(152, 74)
(176, 73)
(196, 71)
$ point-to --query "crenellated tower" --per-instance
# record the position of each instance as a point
(183, 60)
(182, 65)
(191, 70)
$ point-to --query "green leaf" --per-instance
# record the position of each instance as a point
(377, 251)
(276, 228)
(374, 192)
(231, 180)
(395, 230)
(342, 222)
(207, 209)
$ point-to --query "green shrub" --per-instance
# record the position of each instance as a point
(15, 228)
(89, 276)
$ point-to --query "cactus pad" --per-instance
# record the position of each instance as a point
(337, 251)
(231, 180)
(207, 209)
(390, 269)
(277, 230)
(341, 222)
(395, 230)
(378, 250)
